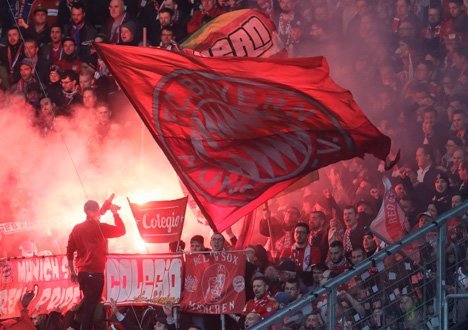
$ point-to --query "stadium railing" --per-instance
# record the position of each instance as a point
(411, 284)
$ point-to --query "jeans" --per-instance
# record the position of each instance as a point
(91, 284)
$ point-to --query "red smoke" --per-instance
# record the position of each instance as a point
(45, 179)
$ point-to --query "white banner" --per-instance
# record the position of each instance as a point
(144, 279)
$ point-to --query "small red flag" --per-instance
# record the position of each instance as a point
(240, 130)
(160, 221)
(391, 223)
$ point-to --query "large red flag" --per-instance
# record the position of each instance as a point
(240, 130)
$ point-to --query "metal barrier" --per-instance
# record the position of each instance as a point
(404, 286)
(446, 308)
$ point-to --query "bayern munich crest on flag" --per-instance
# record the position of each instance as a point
(239, 142)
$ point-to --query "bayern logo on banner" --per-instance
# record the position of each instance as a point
(46, 277)
(238, 131)
(214, 283)
(160, 221)
(144, 279)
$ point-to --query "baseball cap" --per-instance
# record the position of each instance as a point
(55, 68)
(284, 298)
(28, 62)
(40, 8)
(426, 213)
(68, 38)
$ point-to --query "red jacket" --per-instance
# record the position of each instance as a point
(89, 240)
(74, 65)
(264, 306)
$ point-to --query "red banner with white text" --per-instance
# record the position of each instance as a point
(144, 279)
(214, 283)
(47, 277)
(160, 221)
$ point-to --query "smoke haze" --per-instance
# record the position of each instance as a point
(46, 179)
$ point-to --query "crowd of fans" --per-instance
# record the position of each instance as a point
(406, 63)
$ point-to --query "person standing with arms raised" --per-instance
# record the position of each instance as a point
(89, 240)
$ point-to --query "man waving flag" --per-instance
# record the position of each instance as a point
(240, 130)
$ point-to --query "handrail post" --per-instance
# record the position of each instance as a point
(440, 290)
(331, 309)
(445, 315)
(454, 296)
(223, 322)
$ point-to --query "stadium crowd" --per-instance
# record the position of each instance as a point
(406, 63)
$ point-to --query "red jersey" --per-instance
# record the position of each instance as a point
(55, 55)
(74, 65)
(264, 306)
(305, 257)
(447, 30)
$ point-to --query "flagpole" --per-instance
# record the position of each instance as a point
(272, 247)
(142, 129)
(176, 317)
(223, 322)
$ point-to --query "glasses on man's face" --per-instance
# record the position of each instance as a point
(63, 82)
